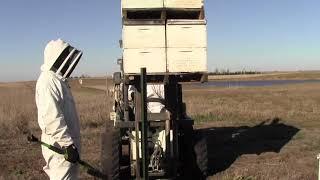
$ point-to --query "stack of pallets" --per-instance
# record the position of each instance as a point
(165, 36)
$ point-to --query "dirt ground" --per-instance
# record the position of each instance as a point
(250, 133)
(259, 133)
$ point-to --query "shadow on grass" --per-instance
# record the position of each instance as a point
(224, 145)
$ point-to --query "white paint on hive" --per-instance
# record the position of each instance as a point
(141, 4)
(187, 59)
(186, 33)
(154, 59)
(143, 36)
(183, 3)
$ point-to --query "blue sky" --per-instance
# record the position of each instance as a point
(242, 34)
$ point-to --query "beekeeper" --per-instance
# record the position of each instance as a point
(153, 91)
(57, 115)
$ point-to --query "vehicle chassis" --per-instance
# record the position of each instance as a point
(117, 160)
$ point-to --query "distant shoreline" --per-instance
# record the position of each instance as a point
(295, 75)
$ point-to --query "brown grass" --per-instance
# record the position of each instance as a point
(294, 105)
(18, 116)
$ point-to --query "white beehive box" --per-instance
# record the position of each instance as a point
(187, 59)
(186, 33)
(154, 59)
(186, 46)
(192, 4)
(143, 36)
(141, 4)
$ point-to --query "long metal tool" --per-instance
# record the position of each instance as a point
(137, 139)
(90, 169)
(144, 126)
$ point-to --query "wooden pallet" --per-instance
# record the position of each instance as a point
(132, 14)
(144, 22)
(162, 14)
(185, 13)
(166, 77)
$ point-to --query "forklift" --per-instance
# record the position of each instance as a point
(148, 134)
(140, 144)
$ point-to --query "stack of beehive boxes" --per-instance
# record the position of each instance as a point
(165, 36)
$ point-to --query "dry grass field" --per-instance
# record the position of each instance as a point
(21, 160)
(259, 133)
(251, 132)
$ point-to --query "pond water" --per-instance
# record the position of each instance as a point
(254, 83)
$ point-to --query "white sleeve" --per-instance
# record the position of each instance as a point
(50, 111)
(130, 92)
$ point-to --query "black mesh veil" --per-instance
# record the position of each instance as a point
(67, 61)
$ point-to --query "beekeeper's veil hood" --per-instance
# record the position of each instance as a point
(60, 57)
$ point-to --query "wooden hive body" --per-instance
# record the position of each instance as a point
(167, 36)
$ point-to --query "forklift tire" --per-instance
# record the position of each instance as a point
(193, 154)
(201, 152)
(110, 151)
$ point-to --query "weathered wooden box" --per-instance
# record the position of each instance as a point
(136, 35)
(161, 60)
(164, 41)
(192, 4)
(187, 60)
(144, 45)
(178, 46)
(186, 46)
(186, 33)
(173, 4)
(141, 4)
(154, 59)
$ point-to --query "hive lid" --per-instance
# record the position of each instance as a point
(186, 21)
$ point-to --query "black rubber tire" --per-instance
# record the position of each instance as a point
(201, 153)
(110, 151)
(193, 154)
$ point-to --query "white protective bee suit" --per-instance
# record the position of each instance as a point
(57, 115)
